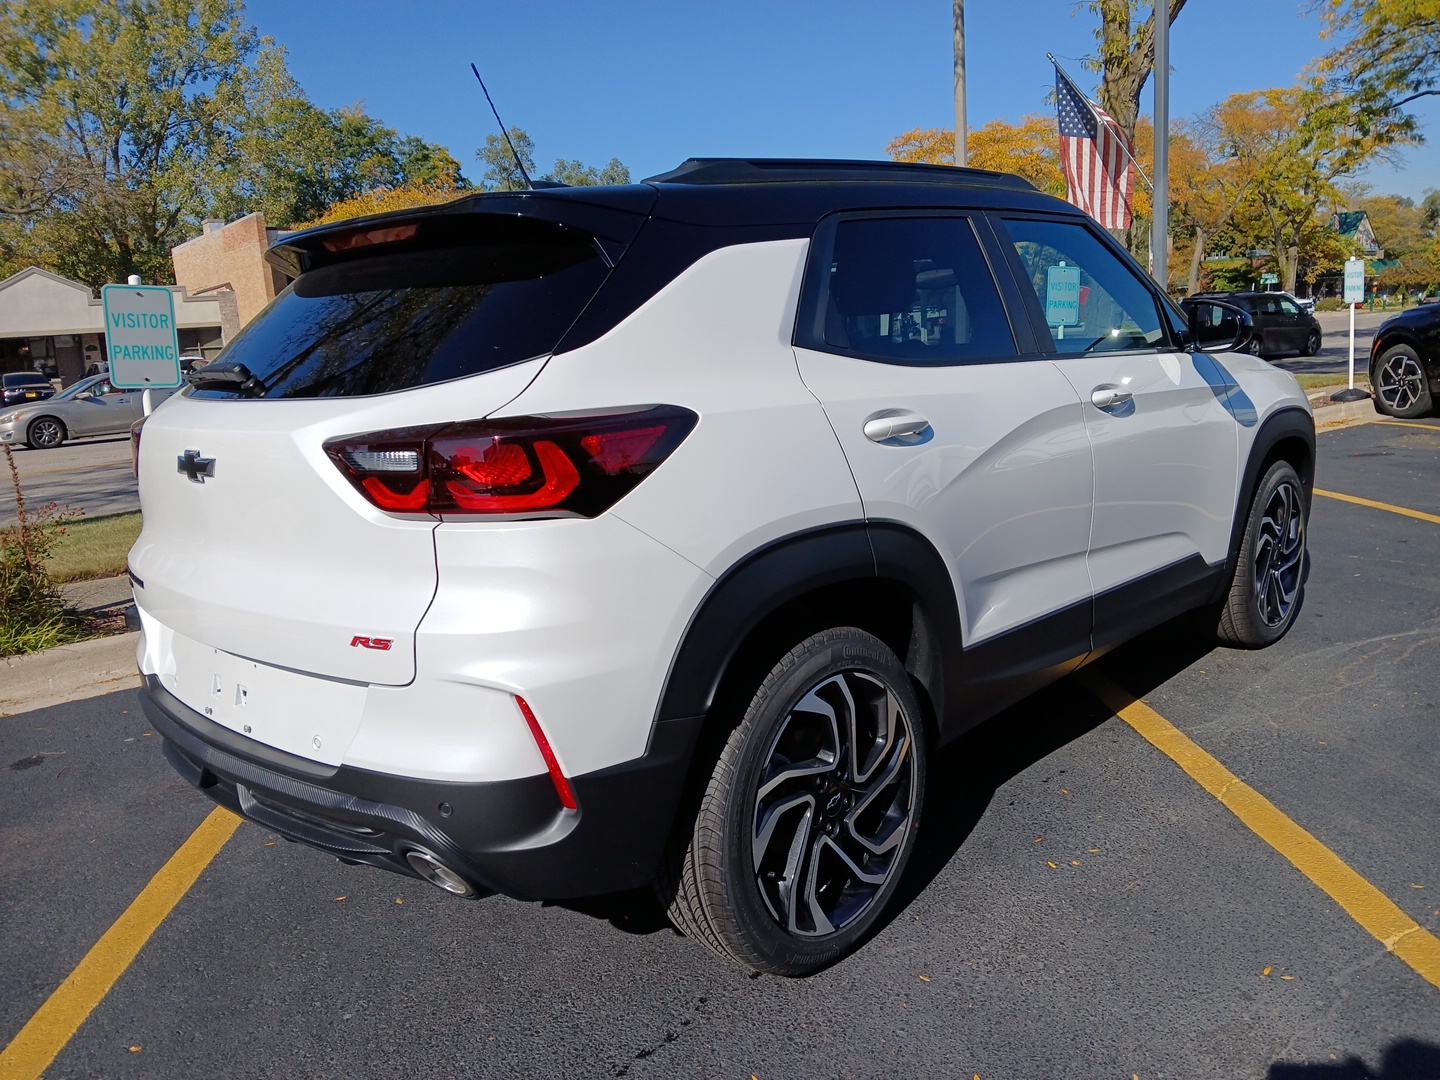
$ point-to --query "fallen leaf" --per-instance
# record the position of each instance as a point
(1052, 866)
(1417, 886)
(1288, 978)
(1266, 972)
(1074, 863)
(270, 844)
(398, 900)
(1039, 839)
(136, 1049)
(1064, 791)
(339, 898)
(1094, 851)
(146, 734)
(924, 978)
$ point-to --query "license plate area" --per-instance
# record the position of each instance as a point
(306, 715)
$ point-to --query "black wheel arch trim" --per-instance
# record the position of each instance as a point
(1291, 422)
(794, 566)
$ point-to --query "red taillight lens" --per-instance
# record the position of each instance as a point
(531, 465)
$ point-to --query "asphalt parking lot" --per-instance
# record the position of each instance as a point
(95, 475)
(1079, 905)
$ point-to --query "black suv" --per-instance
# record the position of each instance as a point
(1281, 325)
(18, 387)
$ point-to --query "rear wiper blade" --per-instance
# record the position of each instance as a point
(227, 375)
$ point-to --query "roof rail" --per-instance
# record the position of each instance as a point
(800, 170)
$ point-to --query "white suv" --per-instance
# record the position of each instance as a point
(553, 543)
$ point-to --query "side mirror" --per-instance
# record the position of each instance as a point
(1215, 326)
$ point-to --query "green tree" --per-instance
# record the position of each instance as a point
(1389, 51)
(1126, 57)
(1299, 145)
(125, 124)
(578, 174)
(501, 172)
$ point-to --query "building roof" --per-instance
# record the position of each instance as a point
(1348, 223)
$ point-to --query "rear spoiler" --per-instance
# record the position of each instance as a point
(610, 215)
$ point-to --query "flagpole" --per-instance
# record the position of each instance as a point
(1091, 106)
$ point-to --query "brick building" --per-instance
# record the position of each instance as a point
(231, 257)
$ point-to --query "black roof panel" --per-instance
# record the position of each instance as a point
(807, 170)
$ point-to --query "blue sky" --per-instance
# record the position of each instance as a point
(653, 83)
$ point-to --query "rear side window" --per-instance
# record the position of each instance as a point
(911, 291)
(473, 296)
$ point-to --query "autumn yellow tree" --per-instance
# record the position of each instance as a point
(384, 200)
(1030, 149)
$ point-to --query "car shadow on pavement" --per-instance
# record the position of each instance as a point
(1407, 1059)
(965, 776)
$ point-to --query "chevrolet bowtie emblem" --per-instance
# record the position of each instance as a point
(194, 466)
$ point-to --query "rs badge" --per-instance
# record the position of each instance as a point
(381, 643)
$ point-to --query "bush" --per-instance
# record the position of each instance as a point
(1330, 303)
(32, 608)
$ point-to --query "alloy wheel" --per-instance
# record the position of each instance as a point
(1400, 382)
(1279, 553)
(835, 798)
(46, 433)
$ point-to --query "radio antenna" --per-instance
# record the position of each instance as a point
(503, 133)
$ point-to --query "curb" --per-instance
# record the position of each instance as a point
(69, 673)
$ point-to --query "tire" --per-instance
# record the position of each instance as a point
(1269, 572)
(45, 433)
(833, 838)
(1400, 385)
(1312, 344)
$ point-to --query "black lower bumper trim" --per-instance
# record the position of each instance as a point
(509, 836)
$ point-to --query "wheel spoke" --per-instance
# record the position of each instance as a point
(834, 804)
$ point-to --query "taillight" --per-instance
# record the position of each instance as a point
(527, 465)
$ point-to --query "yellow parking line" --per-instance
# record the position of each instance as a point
(47, 1032)
(1419, 515)
(1406, 423)
(1364, 903)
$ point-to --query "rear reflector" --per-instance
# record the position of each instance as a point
(574, 466)
(562, 784)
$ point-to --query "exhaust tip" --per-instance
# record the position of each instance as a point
(437, 873)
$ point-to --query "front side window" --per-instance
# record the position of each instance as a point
(1092, 301)
(913, 291)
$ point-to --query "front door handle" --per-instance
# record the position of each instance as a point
(1107, 397)
(884, 428)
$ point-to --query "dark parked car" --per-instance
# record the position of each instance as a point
(1405, 363)
(18, 387)
(1281, 325)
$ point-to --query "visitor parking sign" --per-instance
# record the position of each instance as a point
(140, 336)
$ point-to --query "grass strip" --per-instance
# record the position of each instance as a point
(94, 547)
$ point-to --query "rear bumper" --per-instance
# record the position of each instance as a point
(506, 836)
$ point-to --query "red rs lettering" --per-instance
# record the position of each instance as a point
(381, 643)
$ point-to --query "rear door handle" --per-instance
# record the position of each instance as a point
(1107, 397)
(884, 428)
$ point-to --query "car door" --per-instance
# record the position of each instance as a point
(954, 426)
(1296, 325)
(105, 410)
(1162, 425)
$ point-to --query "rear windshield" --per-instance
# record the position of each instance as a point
(26, 380)
(472, 296)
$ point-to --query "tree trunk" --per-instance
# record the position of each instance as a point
(1292, 266)
(1195, 259)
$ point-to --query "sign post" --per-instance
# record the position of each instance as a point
(1354, 294)
(140, 337)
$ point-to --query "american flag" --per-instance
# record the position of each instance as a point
(1095, 156)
